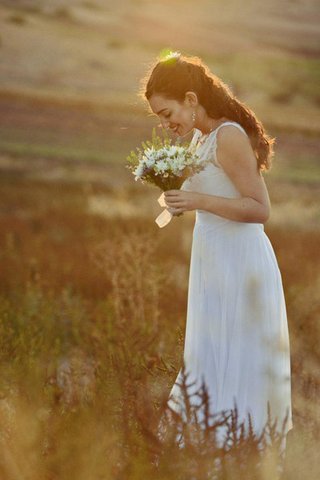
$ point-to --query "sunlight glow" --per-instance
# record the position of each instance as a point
(169, 55)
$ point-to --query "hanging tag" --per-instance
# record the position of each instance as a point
(164, 218)
(161, 200)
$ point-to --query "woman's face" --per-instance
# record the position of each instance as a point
(174, 115)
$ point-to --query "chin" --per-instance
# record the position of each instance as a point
(182, 132)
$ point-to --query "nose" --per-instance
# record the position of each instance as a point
(164, 125)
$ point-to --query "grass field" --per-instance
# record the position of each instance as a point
(93, 295)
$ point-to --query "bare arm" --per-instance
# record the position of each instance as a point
(235, 155)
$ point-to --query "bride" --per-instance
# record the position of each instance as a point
(236, 336)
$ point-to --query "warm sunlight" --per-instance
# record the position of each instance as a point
(160, 231)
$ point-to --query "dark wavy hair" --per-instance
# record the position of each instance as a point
(177, 74)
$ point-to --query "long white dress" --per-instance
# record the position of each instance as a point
(236, 337)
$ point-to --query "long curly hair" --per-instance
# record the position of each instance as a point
(176, 74)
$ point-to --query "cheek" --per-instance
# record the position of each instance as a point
(180, 117)
(186, 117)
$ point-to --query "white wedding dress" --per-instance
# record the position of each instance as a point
(236, 337)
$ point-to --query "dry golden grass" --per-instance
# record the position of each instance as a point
(92, 312)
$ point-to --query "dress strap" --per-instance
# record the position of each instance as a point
(231, 123)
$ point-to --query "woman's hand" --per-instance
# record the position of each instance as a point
(179, 201)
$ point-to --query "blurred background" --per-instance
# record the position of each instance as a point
(78, 237)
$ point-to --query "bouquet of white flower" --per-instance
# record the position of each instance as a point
(164, 165)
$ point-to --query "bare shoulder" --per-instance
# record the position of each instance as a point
(234, 149)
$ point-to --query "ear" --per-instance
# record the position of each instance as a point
(191, 99)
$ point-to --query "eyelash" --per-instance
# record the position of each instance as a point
(167, 115)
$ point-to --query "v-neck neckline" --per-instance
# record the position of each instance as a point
(198, 142)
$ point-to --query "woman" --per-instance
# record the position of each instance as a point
(236, 333)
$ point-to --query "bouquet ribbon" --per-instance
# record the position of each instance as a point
(165, 216)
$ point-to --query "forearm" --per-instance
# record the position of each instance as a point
(244, 209)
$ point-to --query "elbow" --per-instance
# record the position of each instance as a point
(253, 211)
(264, 214)
(256, 215)
(264, 219)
